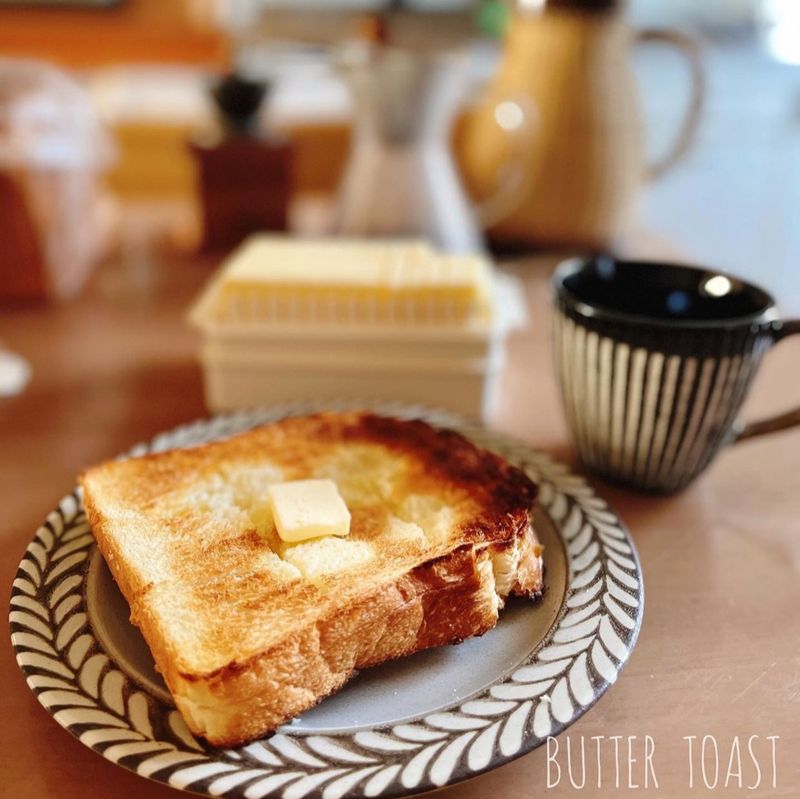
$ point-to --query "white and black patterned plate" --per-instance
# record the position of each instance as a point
(409, 726)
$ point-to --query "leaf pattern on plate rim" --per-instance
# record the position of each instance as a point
(92, 697)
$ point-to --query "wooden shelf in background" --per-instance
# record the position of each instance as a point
(135, 31)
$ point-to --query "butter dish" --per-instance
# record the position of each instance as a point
(287, 319)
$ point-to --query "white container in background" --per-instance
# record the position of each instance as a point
(454, 367)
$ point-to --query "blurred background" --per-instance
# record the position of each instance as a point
(145, 67)
(139, 133)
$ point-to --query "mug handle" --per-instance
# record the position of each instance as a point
(691, 50)
(783, 421)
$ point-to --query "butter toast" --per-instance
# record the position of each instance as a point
(249, 630)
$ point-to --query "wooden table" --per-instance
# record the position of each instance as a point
(719, 652)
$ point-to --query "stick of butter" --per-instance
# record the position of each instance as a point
(305, 509)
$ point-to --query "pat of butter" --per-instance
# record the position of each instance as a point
(304, 509)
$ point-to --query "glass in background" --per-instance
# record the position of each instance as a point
(53, 222)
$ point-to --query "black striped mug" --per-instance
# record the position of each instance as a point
(654, 362)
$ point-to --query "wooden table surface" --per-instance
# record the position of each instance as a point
(719, 652)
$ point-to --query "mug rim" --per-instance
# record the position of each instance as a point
(572, 265)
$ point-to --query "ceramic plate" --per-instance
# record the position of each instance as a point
(408, 726)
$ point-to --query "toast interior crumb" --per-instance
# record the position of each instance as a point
(232, 502)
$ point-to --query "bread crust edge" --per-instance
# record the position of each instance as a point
(444, 601)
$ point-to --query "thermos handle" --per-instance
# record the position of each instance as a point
(774, 424)
(518, 116)
(690, 48)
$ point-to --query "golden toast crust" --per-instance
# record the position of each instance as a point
(405, 601)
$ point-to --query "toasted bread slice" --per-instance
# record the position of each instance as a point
(248, 630)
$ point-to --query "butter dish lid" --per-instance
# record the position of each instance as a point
(275, 281)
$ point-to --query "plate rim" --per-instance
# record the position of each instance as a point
(69, 672)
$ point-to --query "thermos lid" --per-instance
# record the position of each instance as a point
(574, 5)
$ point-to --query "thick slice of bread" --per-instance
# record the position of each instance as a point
(248, 630)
